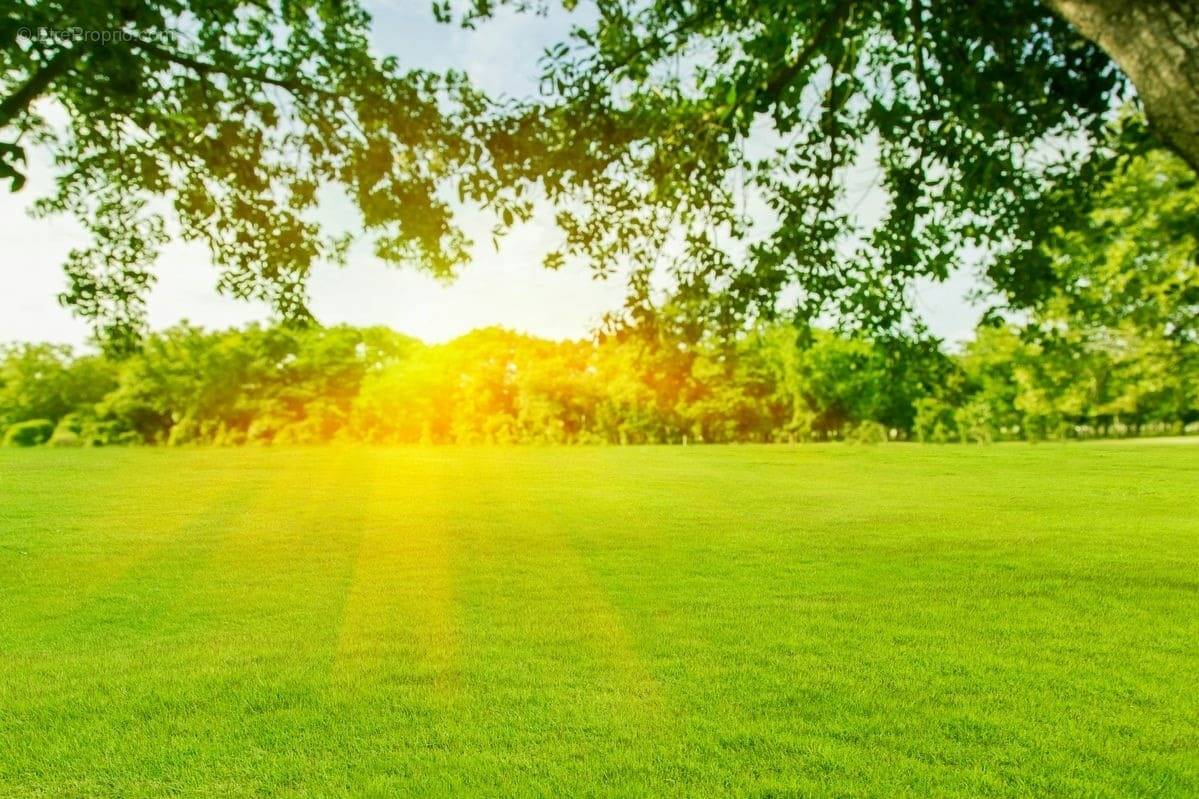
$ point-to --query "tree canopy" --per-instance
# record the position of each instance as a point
(718, 152)
(731, 145)
(228, 118)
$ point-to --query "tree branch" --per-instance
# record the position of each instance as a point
(781, 79)
(659, 41)
(789, 72)
(295, 87)
(50, 71)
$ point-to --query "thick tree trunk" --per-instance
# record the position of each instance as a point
(1156, 43)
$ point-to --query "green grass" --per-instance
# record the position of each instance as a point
(1007, 620)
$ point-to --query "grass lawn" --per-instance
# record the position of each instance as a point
(1006, 620)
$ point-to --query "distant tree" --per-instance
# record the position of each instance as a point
(935, 421)
(735, 397)
(1134, 259)
(639, 377)
(1114, 346)
(1127, 291)
(844, 382)
(558, 392)
(43, 381)
(259, 384)
(988, 376)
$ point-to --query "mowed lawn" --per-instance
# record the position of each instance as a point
(701, 621)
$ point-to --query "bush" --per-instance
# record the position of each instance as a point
(71, 431)
(868, 433)
(29, 434)
(127, 438)
(104, 433)
(973, 421)
(65, 438)
(935, 421)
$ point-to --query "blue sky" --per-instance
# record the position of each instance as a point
(506, 287)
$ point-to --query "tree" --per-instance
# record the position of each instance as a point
(1156, 43)
(230, 117)
(44, 381)
(1135, 257)
(187, 385)
(1114, 347)
(1127, 287)
(719, 146)
(719, 141)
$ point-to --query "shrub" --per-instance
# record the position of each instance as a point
(29, 434)
(103, 433)
(65, 438)
(868, 433)
(73, 430)
(128, 438)
(935, 421)
(973, 421)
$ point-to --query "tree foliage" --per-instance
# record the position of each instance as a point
(492, 386)
(1114, 343)
(737, 160)
(720, 150)
(227, 119)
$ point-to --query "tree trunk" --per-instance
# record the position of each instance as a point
(1156, 44)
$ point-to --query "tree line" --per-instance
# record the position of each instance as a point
(263, 385)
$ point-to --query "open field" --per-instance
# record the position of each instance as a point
(1006, 620)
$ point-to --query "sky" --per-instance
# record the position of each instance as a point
(506, 287)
